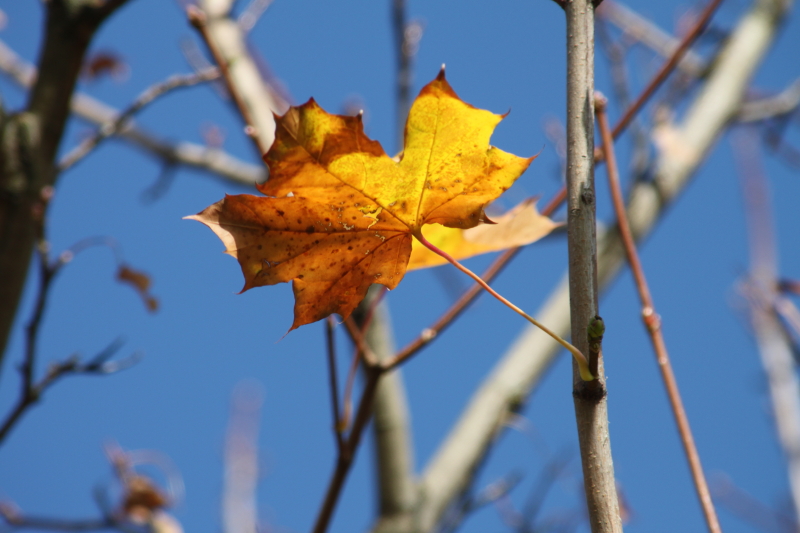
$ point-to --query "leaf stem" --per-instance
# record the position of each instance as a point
(430, 333)
(583, 363)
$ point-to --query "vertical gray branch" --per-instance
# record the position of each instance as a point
(394, 457)
(591, 405)
(394, 454)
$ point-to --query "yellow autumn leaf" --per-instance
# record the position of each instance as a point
(520, 226)
(339, 214)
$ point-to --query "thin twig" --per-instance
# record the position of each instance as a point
(370, 359)
(31, 390)
(580, 358)
(347, 454)
(652, 322)
(373, 371)
(347, 399)
(198, 19)
(783, 103)
(663, 72)
(637, 28)
(330, 340)
(406, 36)
(750, 510)
(32, 393)
(615, 51)
(493, 492)
(547, 478)
(362, 326)
(17, 521)
(252, 14)
(211, 160)
(430, 333)
(146, 98)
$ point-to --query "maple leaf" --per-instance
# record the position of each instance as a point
(339, 214)
(521, 225)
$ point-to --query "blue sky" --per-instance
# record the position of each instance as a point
(205, 339)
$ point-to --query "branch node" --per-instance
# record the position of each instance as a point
(651, 319)
(592, 392)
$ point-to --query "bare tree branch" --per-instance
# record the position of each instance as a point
(783, 103)
(251, 15)
(330, 341)
(394, 448)
(146, 98)
(204, 158)
(254, 99)
(524, 364)
(591, 404)
(668, 66)
(30, 141)
(652, 323)
(17, 521)
(637, 27)
(761, 290)
(31, 390)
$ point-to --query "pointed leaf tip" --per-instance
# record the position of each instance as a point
(440, 76)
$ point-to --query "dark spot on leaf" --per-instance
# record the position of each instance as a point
(310, 229)
(280, 212)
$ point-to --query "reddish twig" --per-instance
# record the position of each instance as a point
(197, 18)
(373, 371)
(580, 358)
(660, 76)
(347, 453)
(370, 359)
(653, 322)
(351, 375)
(330, 340)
